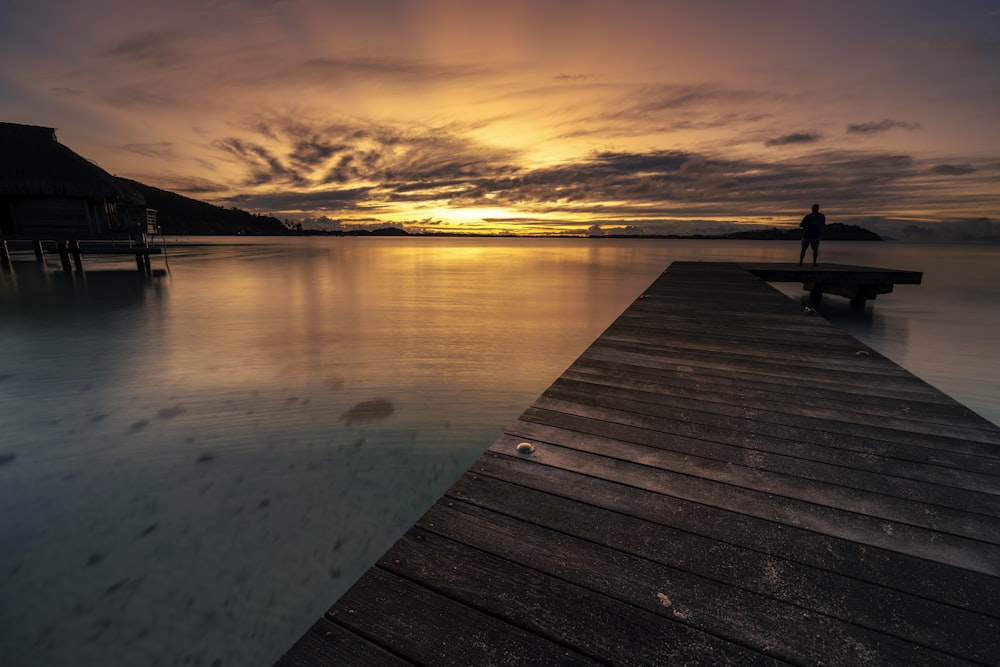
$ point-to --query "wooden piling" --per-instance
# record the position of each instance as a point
(74, 248)
(64, 256)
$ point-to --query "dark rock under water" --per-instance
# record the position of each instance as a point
(364, 412)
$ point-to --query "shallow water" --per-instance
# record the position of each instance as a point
(194, 465)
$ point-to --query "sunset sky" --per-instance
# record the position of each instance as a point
(544, 116)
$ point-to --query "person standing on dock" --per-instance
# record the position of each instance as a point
(812, 228)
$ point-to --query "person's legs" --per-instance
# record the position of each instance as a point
(815, 246)
(802, 254)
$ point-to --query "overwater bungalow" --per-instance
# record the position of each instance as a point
(49, 192)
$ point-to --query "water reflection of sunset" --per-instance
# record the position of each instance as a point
(302, 310)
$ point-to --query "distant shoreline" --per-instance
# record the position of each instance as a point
(833, 232)
(178, 215)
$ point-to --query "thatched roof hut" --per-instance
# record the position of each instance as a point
(48, 191)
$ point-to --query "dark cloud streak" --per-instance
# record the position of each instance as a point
(406, 69)
(265, 168)
(159, 48)
(160, 149)
(794, 138)
(880, 126)
(953, 169)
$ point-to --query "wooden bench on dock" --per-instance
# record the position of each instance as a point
(723, 477)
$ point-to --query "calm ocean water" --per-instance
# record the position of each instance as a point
(194, 466)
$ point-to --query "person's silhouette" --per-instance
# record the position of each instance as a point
(812, 229)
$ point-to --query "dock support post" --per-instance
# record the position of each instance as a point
(64, 256)
(39, 251)
(142, 262)
(74, 248)
(4, 254)
(142, 251)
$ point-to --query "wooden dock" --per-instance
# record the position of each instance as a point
(723, 477)
(74, 250)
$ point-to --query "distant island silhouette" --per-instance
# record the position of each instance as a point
(836, 231)
(178, 215)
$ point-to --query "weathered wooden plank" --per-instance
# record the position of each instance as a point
(525, 592)
(951, 452)
(954, 533)
(431, 629)
(958, 471)
(803, 365)
(718, 366)
(781, 348)
(786, 337)
(870, 473)
(504, 513)
(803, 415)
(328, 643)
(729, 390)
(934, 540)
(804, 370)
(730, 611)
(761, 391)
(948, 584)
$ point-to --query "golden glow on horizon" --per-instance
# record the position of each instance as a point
(522, 117)
(473, 214)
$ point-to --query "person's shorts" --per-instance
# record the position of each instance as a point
(810, 242)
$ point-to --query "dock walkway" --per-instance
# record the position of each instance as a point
(723, 477)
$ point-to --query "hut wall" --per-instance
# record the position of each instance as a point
(60, 218)
(6, 218)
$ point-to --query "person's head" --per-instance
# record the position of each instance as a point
(815, 207)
